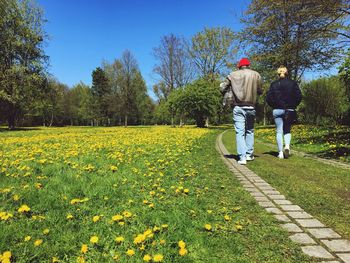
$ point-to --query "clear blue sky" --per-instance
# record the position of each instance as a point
(84, 32)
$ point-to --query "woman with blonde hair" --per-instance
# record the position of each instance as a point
(283, 96)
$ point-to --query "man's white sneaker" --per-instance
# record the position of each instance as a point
(242, 162)
(280, 155)
(250, 158)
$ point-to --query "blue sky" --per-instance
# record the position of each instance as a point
(85, 32)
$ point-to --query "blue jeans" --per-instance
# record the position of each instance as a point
(244, 126)
(282, 128)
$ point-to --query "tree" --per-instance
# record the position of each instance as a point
(198, 100)
(174, 66)
(100, 91)
(22, 58)
(128, 89)
(299, 34)
(213, 51)
(81, 100)
(324, 100)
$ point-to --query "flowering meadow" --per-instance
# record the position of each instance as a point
(147, 194)
(327, 142)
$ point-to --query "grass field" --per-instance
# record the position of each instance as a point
(331, 142)
(155, 194)
(321, 189)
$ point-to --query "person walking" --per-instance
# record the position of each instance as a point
(284, 96)
(241, 89)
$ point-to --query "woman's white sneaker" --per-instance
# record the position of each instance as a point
(280, 155)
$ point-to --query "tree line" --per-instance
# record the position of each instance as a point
(303, 35)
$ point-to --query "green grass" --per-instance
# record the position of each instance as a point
(153, 164)
(331, 142)
(320, 189)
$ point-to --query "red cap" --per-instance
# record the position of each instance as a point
(243, 62)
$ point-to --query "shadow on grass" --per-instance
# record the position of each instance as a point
(232, 156)
(273, 153)
(3, 129)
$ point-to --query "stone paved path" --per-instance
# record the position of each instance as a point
(315, 239)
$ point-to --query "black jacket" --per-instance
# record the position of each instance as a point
(284, 94)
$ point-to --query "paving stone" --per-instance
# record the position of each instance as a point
(257, 193)
(345, 257)
(309, 223)
(283, 202)
(257, 180)
(302, 238)
(291, 208)
(317, 252)
(299, 215)
(252, 190)
(277, 197)
(338, 245)
(266, 204)
(292, 228)
(265, 188)
(261, 199)
(273, 210)
(271, 192)
(282, 218)
(323, 233)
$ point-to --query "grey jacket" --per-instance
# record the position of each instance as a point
(246, 85)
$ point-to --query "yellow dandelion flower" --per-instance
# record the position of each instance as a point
(162, 242)
(186, 190)
(165, 226)
(27, 238)
(69, 216)
(46, 231)
(208, 227)
(24, 209)
(119, 239)
(181, 244)
(121, 223)
(158, 258)
(147, 258)
(15, 197)
(96, 218)
(127, 214)
(117, 217)
(139, 238)
(116, 257)
(227, 218)
(38, 242)
(80, 259)
(239, 227)
(55, 260)
(130, 252)
(94, 239)
(156, 229)
(183, 251)
(84, 249)
(114, 168)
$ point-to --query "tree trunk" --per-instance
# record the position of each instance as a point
(200, 121)
(126, 121)
(11, 117)
(51, 121)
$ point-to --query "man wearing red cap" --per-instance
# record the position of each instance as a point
(244, 85)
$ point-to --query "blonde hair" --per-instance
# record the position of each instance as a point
(282, 71)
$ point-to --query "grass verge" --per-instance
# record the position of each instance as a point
(320, 189)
